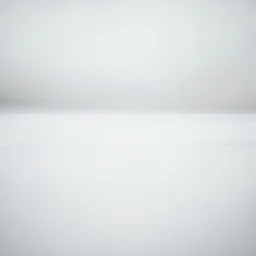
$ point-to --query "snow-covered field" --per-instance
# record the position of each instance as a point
(127, 184)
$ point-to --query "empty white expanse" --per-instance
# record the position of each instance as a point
(81, 184)
(142, 55)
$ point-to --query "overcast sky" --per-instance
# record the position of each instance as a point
(129, 55)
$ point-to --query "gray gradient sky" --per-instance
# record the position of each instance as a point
(129, 55)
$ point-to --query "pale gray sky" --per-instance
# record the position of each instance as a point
(129, 55)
